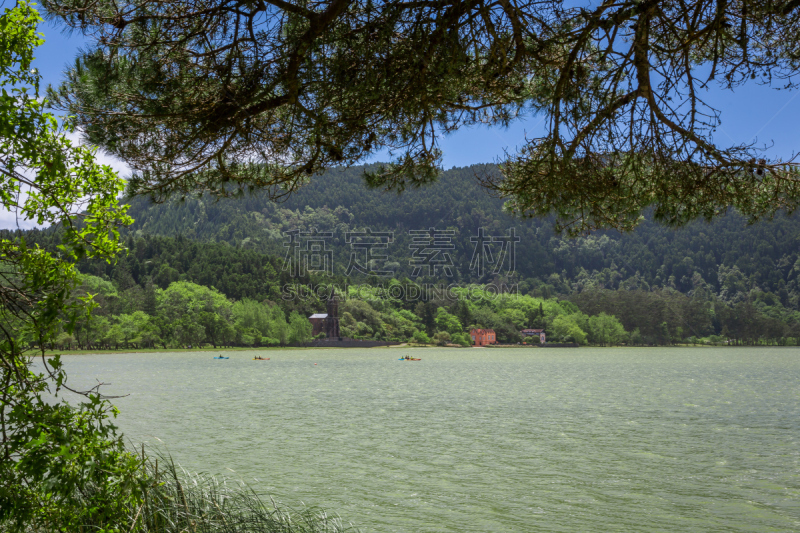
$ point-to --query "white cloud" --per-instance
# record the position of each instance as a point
(103, 158)
(10, 220)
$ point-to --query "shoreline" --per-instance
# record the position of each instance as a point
(51, 353)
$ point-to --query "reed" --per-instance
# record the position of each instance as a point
(177, 501)
(169, 499)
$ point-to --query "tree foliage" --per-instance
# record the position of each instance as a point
(688, 278)
(62, 467)
(594, 315)
(727, 258)
(739, 309)
(567, 329)
(220, 96)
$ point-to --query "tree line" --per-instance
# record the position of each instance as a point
(187, 315)
(184, 315)
(648, 314)
(666, 316)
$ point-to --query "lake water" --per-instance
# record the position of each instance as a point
(484, 440)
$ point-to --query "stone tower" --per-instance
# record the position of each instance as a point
(332, 320)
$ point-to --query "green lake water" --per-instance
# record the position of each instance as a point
(483, 440)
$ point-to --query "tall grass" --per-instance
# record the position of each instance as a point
(176, 501)
(168, 499)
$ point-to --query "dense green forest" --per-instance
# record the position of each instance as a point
(727, 257)
(719, 282)
(186, 314)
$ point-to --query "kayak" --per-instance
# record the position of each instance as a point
(260, 359)
(221, 357)
(412, 359)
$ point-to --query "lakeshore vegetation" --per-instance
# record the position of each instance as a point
(185, 313)
(726, 282)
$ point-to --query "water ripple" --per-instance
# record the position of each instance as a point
(485, 440)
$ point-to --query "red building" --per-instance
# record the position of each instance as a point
(482, 337)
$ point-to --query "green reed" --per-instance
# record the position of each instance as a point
(177, 501)
(168, 499)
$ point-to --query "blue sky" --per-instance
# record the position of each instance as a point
(751, 113)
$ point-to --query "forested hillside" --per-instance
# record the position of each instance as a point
(721, 282)
(727, 257)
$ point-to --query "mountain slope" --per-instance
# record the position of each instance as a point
(727, 257)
